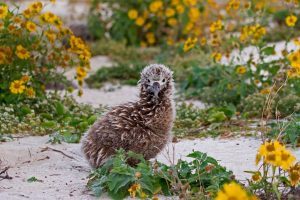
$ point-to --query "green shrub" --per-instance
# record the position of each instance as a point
(289, 130)
(190, 119)
(253, 105)
(201, 177)
(288, 105)
(63, 117)
(124, 73)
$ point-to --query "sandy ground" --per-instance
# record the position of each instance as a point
(65, 176)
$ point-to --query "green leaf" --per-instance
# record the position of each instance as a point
(146, 183)
(217, 117)
(71, 138)
(117, 181)
(25, 110)
(33, 179)
(83, 126)
(46, 116)
(196, 154)
(97, 189)
(268, 51)
(49, 124)
(91, 120)
(60, 109)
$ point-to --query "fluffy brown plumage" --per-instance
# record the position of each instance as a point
(143, 126)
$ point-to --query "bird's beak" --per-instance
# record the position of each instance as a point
(155, 88)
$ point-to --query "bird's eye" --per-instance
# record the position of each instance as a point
(163, 80)
(148, 80)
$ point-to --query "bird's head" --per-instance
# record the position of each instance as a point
(156, 80)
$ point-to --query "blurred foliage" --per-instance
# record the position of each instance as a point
(200, 178)
(192, 121)
(287, 131)
(123, 73)
(62, 117)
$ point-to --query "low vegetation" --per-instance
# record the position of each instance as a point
(202, 177)
(62, 117)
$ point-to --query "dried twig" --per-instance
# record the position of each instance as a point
(6, 176)
(59, 151)
(4, 170)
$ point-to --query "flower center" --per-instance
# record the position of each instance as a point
(270, 147)
(285, 157)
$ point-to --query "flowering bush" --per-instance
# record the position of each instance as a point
(152, 22)
(239, 74)
(36, 48)
(278, 170)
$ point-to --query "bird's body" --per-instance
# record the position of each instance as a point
(143, 127)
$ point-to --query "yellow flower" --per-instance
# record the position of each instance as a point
(241, 70)
(170, 41)
(140, 21)
(286, 159)
(247, 5)
(194, 14)
(17, 87)
(294, 59)
(155, 6)
(53, 1)
(189, 44)
(81, 73)
(217, 25)
(132, 14)
(180, 9)
(291, 20)
(296, 41)
(133, 189)
(17, 20)
(150, 38)
(51, 36)
(170, 12)
(35, 7)
(2, 58)
(3, 11)
(30, 92)
(294, 175)
(272, 158)
(232, 191)
(85, 55)
(49, 17)
(143, 195)
(233, 4)
(216, 56)
(172, 21)
(190, 2)
(252, 33)
(25, 78)
(174, 2)
(31, 26)
(27, 14)
(269, 147)
(189, 26)
(203, 41)
(265, 91)
(293, 73)
(22, 53)
(256, 177)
